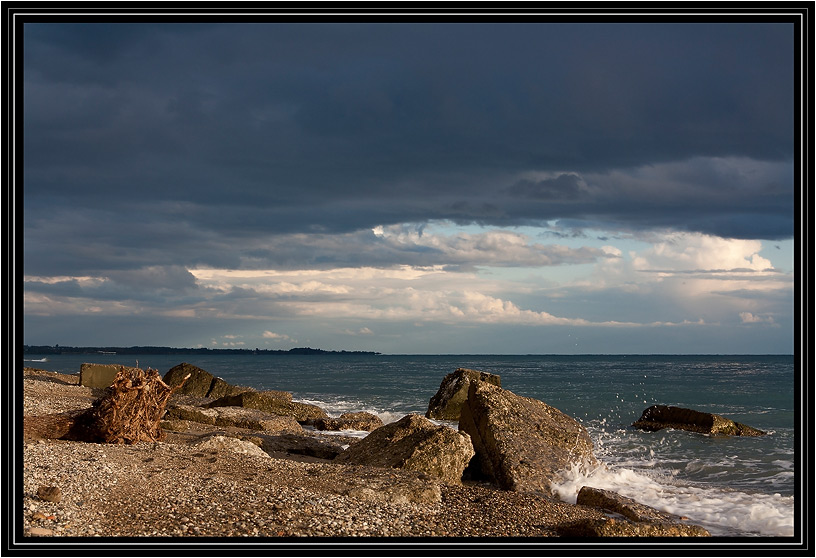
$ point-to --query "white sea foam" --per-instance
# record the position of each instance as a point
(336, 408)
(347, 432)
(723, 512)
(388, 417)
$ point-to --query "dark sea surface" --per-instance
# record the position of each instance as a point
(733, 486)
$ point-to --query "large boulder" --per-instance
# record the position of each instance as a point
(447, 403)
(658, 417)
(521, 443)
(349, 421)
(414, 443)
(220, 388)
(272, 402)
(200, 384)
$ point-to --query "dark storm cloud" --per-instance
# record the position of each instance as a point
(563, 187)
(143, 141)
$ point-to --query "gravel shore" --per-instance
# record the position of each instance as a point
(175, 489)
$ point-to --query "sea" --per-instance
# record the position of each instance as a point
(732, 486)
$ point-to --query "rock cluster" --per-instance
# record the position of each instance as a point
(658, 417)
(238, 417)
(519, 444)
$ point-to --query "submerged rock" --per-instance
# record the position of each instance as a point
(521, 443)
(658, 417)
(414, 443)
(447, 403)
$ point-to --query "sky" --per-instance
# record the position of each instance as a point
(411, 188)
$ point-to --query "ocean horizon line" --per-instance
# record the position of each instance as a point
(301, 351)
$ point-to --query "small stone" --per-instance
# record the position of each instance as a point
(49, 493)
(38, 516)
(40, 532)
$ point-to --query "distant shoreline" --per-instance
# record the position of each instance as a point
(58, 350)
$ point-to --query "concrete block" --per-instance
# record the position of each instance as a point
(98, 375)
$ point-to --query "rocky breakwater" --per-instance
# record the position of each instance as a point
(269, 419)
(523, 445)
(658, 417)
(267, 477)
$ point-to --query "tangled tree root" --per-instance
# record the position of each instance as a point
(129, 412)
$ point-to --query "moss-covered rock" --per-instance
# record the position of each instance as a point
(198, 384)
(254, 419)
(270, 403)
(220, 388)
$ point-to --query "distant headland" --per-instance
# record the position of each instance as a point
(150, 350)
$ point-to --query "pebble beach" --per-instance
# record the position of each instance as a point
(174, 489)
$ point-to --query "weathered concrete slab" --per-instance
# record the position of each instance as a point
(98, 375)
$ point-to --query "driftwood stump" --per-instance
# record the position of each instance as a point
(129, 412)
